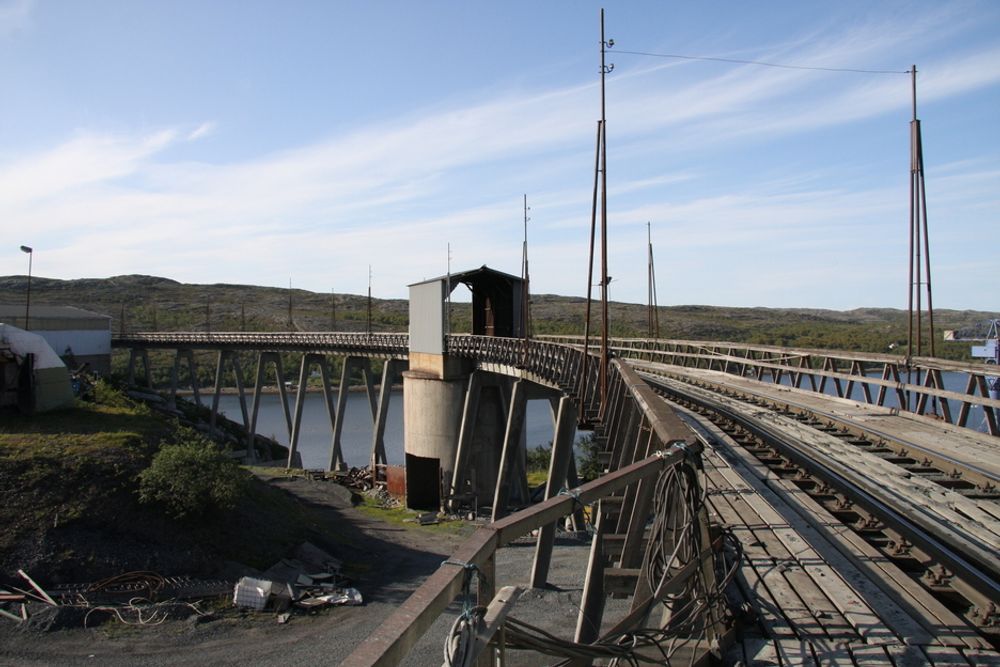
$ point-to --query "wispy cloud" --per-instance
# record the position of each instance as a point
(393, 193)
(203, 130)
(87, 160)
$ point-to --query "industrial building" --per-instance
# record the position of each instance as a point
(78, 336)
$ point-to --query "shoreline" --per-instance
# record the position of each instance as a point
(273, 389)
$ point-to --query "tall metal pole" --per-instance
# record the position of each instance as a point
(525, 286)
(910, 286)
(369, 299)
(447, 326)
(604, 226)
(920, 267)
(333, 310)
(584, 377)
(927, 239)
(27, 302)
(653, 313)
(289, 304)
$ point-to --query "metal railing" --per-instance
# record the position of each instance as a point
(643, 441)
(376, 345)
(914, 385)
(552, 364)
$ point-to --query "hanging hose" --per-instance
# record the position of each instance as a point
(459, 646)
(675, 541)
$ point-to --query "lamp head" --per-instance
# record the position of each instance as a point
(26, 249)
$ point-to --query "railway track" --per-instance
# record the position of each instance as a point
(936, 518)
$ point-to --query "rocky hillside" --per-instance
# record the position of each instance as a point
(143, 303)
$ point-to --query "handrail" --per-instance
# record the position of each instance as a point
(916, 384)
(394, 345)
(388, 644)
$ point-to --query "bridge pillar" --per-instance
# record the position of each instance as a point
(435, 390)
(432, 418)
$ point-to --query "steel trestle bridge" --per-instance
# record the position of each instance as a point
(889, 450)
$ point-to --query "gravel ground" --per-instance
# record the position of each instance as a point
(396, 560)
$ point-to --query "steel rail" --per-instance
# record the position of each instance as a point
(799, 364)
(979, 567)
(661, 345)
(983, 476)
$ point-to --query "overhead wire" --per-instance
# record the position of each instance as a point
(762, 63)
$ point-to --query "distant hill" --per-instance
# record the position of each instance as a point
(144, 303)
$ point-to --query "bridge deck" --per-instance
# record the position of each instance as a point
(820, 595)
(968, 448)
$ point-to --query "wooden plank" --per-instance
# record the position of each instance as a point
(870, 656)
(833, 603)
(960, 444)
(758, 552)
(494, 617)
(795, 653)
(754, 651)
(975, 528)
(944, 655)
(982, 657)
(799, 537)
(907, 656)
(895, 590)
(830, 653)
(757, 595)
(772, 614)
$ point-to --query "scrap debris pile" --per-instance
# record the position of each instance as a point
(358, 479)
(309, 580)
(134, 598)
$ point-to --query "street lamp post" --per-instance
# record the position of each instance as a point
(27, 303)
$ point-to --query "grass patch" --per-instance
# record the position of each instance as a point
(537, 477)
(70, 510)
(407, 518)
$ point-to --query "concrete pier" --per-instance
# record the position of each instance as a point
(432, 415)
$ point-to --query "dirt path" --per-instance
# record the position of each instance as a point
(389, 561)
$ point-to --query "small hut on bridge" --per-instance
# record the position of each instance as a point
(436, 384)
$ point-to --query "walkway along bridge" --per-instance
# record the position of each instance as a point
(814, 506)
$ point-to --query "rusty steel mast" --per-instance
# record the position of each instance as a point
(653, 314)
(601, 181)
(603, 375)
(584, 377)
(525, 286)
(920, 256)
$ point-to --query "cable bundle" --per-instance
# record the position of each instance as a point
(675, 541)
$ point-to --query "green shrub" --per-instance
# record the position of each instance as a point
(538, 458)
(588, 458)
(107, 394)
(192, 477)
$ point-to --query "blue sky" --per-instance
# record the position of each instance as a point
(257, 142)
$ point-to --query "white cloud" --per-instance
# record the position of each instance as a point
(203, 130)
(87, 160)
(393, 194)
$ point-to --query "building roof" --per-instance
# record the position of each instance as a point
(42, 312)
(471, 276)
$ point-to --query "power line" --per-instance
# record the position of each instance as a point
(764, 64)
